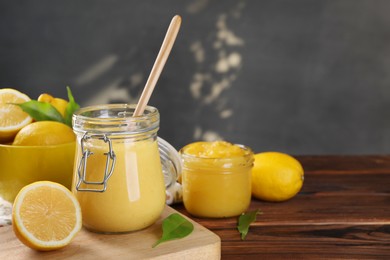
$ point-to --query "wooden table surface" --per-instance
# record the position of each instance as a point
(342, 211)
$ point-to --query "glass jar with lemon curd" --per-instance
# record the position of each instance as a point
(216, 178)
(118, 177)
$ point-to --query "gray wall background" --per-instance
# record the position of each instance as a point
(302, 77)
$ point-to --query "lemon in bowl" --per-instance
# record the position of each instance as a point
(42, 150)
(13, 118)
(44, 133)
(34, 151)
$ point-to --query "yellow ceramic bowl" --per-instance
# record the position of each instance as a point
(22, 165)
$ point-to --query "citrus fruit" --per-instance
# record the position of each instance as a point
(43, 133)
(13, 118)
(59, 103)
(276, 176)
(46, 216)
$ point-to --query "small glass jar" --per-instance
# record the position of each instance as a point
(216, 183)
(118, 177)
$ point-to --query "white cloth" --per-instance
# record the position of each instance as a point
(5, 212)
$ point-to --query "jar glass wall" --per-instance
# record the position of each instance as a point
(216, 186)
(118, 176)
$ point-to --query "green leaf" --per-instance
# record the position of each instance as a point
(245, 220)
(175, 226)
(41, 111)
(70, 108)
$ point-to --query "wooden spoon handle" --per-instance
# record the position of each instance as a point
(158, 66)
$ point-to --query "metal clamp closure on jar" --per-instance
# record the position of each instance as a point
(82, 167)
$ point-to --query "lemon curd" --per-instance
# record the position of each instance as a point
(135, 194)
(216, 178)
(118, 178)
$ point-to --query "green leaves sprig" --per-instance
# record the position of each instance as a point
(245, 220)
(175, 226)
(42, 111)
(70, 108)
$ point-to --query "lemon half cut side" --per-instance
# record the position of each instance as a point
(13, 118)
(46, 216)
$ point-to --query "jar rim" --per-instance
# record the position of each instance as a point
(115, 119)
(149, 110)
(248, 156)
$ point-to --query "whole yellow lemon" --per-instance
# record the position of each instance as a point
(59, 103)
(43, 133)
(276, 176)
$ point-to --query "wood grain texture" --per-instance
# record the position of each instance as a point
(201, 244)
(342, 212)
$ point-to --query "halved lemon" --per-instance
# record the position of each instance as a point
(13, 118)
(46, 216)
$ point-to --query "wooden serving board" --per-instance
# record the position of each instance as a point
(200, 244)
